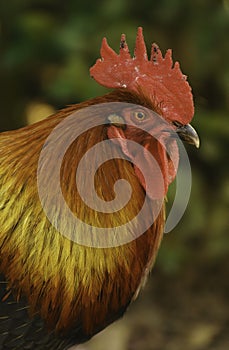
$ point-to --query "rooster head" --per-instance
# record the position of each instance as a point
(162, 113)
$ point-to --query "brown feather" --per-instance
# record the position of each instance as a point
(67, 284)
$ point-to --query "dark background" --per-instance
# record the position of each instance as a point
(46, 50)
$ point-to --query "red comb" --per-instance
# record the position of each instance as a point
(163, 83)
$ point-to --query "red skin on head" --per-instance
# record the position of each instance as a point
(168, 90)
(165, 85)
(161, 170)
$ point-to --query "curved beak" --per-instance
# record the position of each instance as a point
(188, 134)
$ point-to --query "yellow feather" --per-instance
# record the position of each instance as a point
(62, 280)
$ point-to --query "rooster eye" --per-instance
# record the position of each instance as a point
(139, 115)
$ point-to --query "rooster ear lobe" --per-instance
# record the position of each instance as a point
(116, 120)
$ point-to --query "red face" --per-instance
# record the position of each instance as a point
(157, 139)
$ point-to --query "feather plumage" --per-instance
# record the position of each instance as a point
(55, 292)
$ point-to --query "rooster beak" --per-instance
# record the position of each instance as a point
(188, 134)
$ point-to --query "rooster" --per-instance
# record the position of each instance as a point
(54, 291)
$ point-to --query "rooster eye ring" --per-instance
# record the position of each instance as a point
(139, 116)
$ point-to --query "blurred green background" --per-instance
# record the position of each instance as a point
(46, 50)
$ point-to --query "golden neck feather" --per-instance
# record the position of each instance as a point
(65, 282)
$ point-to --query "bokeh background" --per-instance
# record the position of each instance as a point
(46, 50)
